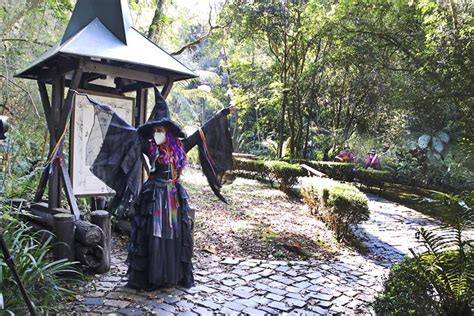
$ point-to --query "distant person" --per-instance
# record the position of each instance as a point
(346, 155)
(373, 160)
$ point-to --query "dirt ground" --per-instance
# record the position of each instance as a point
(258, 222)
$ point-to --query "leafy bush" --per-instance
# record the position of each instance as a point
(439, 281)
(338, 205)
(372, 178)
(250, 168)
(43, 278)
(285, 174)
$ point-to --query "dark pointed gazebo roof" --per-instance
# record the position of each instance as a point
(102, 31)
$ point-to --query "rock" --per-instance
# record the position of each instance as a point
(443, 136)
(423, 141)
(438, 145)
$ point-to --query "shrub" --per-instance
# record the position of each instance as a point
(439, 281)
(372, 178)
(43, 278)
(338, 205)
(406, 292)
(283, 173)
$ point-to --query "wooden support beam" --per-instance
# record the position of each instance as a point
(95, 67)
(54, 189)
(46, 106)
(68, 189)
(166, 89)
(76, 79)
(42, 184)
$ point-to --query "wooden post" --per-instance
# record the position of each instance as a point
(63, 229)
(102, 219)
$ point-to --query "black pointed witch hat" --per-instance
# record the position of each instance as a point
(160, 116)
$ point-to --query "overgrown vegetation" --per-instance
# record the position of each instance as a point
(338, 205)
(440, 280)
(46, 281)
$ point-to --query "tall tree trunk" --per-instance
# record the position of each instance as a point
(155, 26)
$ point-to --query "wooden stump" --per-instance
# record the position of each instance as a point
(87, 233)
(102, 219)
(63, 229)
(90, 256)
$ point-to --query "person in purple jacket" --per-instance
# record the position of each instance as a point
(373, 160)
(346, 155)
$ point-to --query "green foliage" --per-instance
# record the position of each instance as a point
(440, 280)
(338, 205)
(285, 174)
(274, 171)
(372, 178)
(406, 292)
(46, 281)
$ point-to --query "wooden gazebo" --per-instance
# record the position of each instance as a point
(99, 43)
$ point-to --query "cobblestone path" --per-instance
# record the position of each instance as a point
(342, 285)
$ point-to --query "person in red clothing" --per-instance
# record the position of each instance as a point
(346, 155)
(373, 160)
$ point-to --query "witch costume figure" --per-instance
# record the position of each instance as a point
(160, 246)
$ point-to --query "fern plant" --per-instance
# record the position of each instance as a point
(448, 263)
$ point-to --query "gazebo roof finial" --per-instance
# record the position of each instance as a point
(114, 14)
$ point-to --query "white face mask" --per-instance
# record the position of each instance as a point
(159, 137)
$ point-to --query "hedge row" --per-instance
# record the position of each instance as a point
(372, 178)
(338, 205)
(283, 173)
(334, 170)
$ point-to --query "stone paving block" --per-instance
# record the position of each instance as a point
(188, 313)
(94, 301)
(314, 275)
(228, 311)
(318, 310)
(295, 302)
(251, 277)
(276, 291)
(202, 311)
(116, 303)
(293, 289)
(267, 272)
(184, 305)
(166, 307)
(314, 288)
(246, 302)
(300, 279)
(210, 305)
(254, 311)
(322, 296)
(325, 304)
(206, 289)
(130, 311)
(301, 312)
(256, 270)
(260, 300)
(275, 297)
(354, 304)
(292, 273)
(282, 268)
(303, 285)
(280, 306)
(277, 285)
(242, 293)
(235, 306)
(298, 296)
(230, 261)
(342, 300)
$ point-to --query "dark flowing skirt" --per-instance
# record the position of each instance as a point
(155, 262)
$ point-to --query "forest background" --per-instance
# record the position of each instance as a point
(306, 76)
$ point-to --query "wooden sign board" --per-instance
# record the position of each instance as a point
(84, 182)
